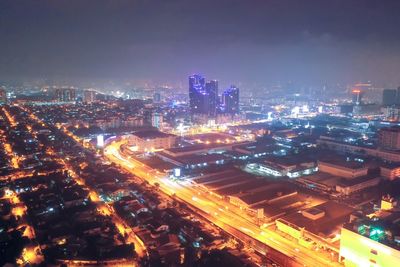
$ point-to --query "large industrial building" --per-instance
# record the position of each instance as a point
(342, 167)
(353, 149)
(151, 140)
(291, 166)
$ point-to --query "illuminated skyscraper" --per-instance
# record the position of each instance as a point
(197, 94)
(230, 100)
(212, 91)
(203, 96)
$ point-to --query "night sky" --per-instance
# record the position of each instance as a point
(249, 41)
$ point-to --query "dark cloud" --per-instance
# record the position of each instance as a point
(246, 40)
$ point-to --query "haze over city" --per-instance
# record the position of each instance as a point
(252, 42)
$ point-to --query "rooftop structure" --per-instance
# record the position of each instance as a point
(359, 150)
(151, 140)
(322, 220)
(342, 166)
(389, 138)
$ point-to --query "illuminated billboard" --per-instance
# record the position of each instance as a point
(100, 140)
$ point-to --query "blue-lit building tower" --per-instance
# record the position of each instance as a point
(197, 94)
(212, 91)
(230, 100)
(203, 96)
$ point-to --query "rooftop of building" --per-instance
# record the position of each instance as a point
(342, 162)
(283, 206)
(323, 178)
(212, 137)
(231, 181)
(335, 216)
(358, 180)
(200, 158)
(157, 163)
(249, 186)
(390, 165)
(152, 134)
(290, 160)
(258, 146)
(274, 191)
(194, 148)
(253, 126)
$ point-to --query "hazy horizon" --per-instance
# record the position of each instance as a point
(250, 42)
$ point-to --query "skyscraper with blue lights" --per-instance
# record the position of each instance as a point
(212, 91)
(203, 97)
(230, 100)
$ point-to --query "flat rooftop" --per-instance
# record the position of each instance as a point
(215, 176)
(335, 216)
(151, 134)
(200, 158)
(157, 163)
(283, 206)
(212, 137)
(243, 188)
(342, 162)
(267, 145)
(275, 190)
(322, 178)
(239, 179)
(196, 147)
(290, 160)
(357, 180)
(232, 182)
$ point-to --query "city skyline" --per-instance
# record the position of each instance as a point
(213, 133)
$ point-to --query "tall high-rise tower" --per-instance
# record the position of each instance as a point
(212, 91)
(197, 94)
(230, 100)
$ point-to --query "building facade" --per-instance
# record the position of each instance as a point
(89, 96)
(389, 138)
(150, 141)
(230, 100)
(65, 94)
(203, 96)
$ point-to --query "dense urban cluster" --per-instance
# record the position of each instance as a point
(201, 180)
